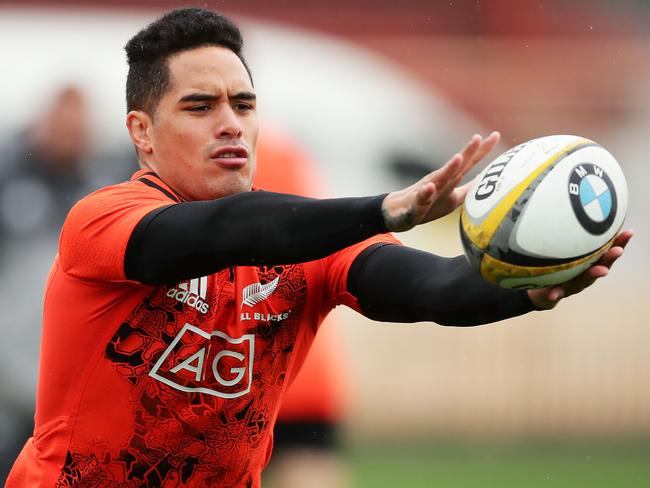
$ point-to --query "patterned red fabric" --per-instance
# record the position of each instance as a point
(168, 385)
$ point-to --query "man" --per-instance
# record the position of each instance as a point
(181, 304)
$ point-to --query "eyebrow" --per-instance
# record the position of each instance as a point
(207, 97)
(244, 96)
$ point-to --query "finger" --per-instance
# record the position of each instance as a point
(610, 256)
(487, 145)
(623, 238)
(472, 155)
(594, 272)
(616, 251)
(443, 175)
(585, 279)
(466, 154)
(452, 183)
(472, 146)
(493, 139)
(601, 268)
(460, 191)
(469, 152)
(459, 194)
(480, 152)
(556, 293)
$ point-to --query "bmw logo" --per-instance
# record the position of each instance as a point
(592, 197)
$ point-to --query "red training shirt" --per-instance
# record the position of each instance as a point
(165, 386)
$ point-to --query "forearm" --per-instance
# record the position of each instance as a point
(400, 284)
(254, 228)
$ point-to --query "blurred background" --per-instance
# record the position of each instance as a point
(375, 93)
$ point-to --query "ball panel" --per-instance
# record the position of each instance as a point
(504, 244)
(552, 226)
(516, 197)
(518, 259)
(470, 231)
(550, 279)
(489, 186)
(473, 254)
(509, 275)
(499, 177)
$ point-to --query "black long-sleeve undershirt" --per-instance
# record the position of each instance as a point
(193, 239)
(401, 284)
(392, 283)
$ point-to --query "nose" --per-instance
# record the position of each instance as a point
(228, 125)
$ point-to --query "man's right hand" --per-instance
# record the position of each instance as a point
(437, 194)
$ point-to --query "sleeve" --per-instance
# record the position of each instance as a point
(401, 284)
(192, 239)
(337, 267)
(96, 232)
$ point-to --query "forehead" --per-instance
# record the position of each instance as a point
(212, 68)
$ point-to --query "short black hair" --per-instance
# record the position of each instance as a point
(179, 30)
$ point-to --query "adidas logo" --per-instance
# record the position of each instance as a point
(192, 293)
(257, 292)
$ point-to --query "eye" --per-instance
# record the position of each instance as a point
(199, 108)
(242, 107)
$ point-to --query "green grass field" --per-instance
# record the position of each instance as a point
(593, 465)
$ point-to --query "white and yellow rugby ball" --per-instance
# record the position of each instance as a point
(543, 212)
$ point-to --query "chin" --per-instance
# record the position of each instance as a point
(224, 190)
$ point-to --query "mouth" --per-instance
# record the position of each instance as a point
(230, 157)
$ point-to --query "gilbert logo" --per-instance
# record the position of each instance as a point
(207, 362)
(257, 292)
(192, 293)
(492, 175)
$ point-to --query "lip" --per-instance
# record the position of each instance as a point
(239, 161)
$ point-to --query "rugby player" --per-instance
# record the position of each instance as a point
(182, 303)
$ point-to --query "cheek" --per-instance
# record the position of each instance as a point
(182, 150)
(178, 136)
(183, 140)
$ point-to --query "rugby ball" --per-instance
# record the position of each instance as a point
(542, 212)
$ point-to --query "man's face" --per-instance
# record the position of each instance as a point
(204, 129)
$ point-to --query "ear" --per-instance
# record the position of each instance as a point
(139, 125)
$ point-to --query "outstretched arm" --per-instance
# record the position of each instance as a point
(192, 239)
(401, 284)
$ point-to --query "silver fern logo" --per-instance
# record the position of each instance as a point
(257, 292)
